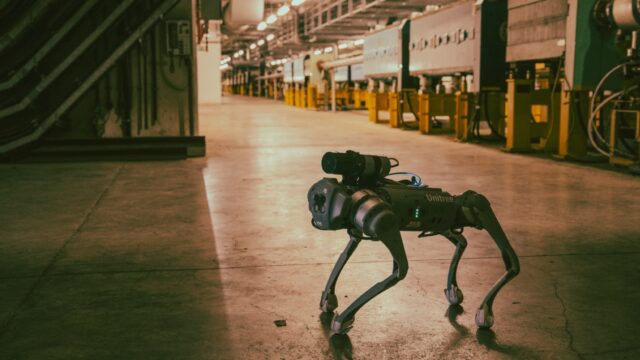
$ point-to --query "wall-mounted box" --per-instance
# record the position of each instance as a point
(463, 38)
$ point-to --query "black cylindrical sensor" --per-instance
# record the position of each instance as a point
(353, 165)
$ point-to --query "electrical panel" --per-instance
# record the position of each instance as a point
(298, 70)
(383, 53)
(464, 38)
(178, 36)
(357, 72)
(341, 74)
(287, 69)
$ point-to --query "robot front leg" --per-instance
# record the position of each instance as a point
(452, 292)
(343, 322)
(478, 209)
(329, 300)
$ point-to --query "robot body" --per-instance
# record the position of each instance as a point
(373, 207)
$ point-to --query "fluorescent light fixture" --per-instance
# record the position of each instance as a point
(271, 19)
(297, 2)
(328, 49)
(283, 10)
(260, 42)
(252, 46)
(261, 26)
(358, 42)
(342, 46)
(270, 37)
(318, 52)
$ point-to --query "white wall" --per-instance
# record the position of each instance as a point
(209, 80)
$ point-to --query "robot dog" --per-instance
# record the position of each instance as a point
(372, 207)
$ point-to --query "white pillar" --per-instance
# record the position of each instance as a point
(209, 56)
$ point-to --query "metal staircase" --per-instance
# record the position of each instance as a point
(52, 52)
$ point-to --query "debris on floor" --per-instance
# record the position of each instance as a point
(280, 323)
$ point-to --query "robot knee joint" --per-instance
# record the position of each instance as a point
(402, 272)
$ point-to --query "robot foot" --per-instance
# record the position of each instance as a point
(484, 317)
(341, 327)
(454, 295)
(329, 303)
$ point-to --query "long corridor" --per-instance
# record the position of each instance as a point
(197, 259)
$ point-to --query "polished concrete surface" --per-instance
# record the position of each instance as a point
(196, 259)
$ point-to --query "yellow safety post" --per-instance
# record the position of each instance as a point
(574, 107)
(373, 106)
(518, 115)
(430, 105)
(626, 118)
(531, 114)
(394, 109)
(303, 96)
(464, 112)
(311, 96)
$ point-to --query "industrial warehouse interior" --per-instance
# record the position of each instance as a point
(319, 179)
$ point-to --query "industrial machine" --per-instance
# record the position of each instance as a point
(350, 86)
(341, 81)
(457, 51)
(615, 103)
(359, 86)
(371, 206)
(317, 80)
(383, 57)
(561, 55)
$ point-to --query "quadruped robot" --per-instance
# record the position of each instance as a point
(373, 207)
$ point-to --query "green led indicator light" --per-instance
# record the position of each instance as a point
(417, 213)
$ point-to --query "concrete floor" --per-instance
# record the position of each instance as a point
(196, 259)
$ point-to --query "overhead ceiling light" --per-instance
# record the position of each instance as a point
(297, 2)
(283, 10)
(260, 42)
(270, 37)
(328, 49)
(284, 61)
(271, 19)
(252, 46)
(318, 52)
(261, 26)
(342, 46)
(241, 52)
(358, 42)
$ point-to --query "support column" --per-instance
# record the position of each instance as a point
(518, 115)
(209, 77)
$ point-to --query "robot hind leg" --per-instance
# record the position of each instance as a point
(478, 210)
